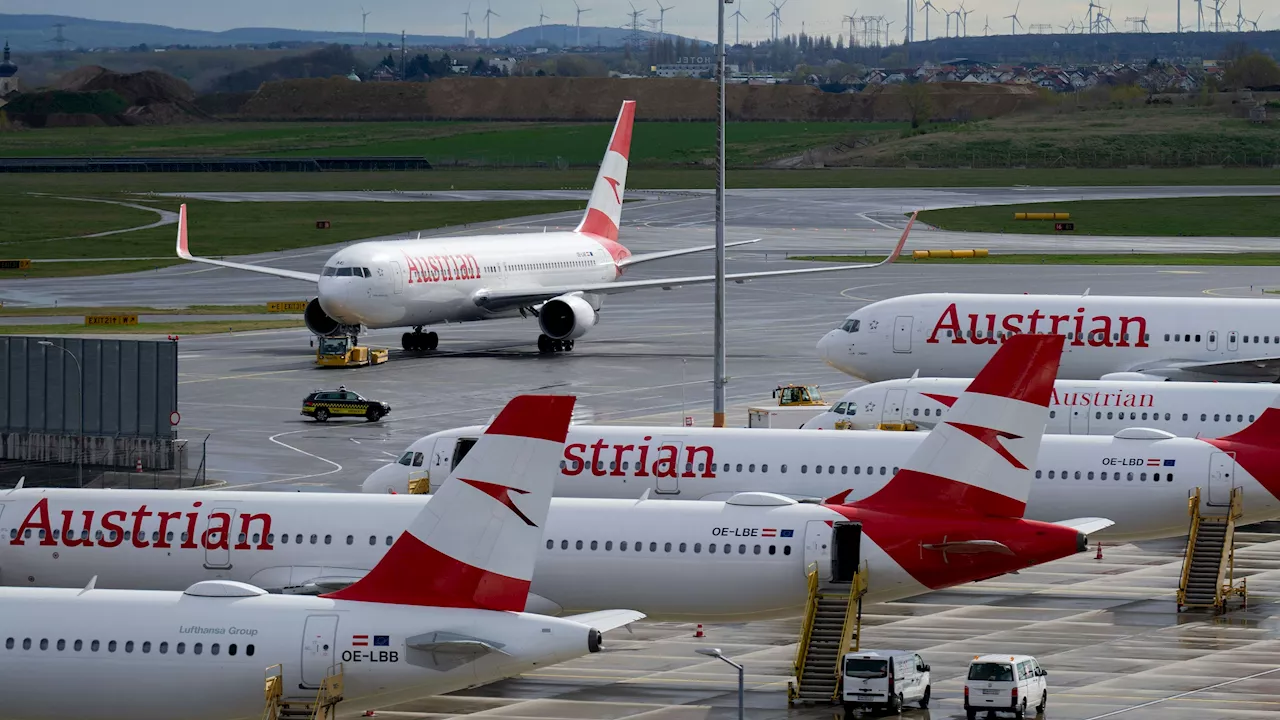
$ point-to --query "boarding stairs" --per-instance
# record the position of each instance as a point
(831, 628)
(1208, 568)
(322, 705)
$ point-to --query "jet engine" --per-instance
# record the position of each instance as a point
(318, 321)
(567, 317)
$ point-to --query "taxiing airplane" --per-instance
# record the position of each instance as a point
(1139, 477)
(561, 278)
(1108, 337)
(442, 610)
(1078, 407)
(744, 558)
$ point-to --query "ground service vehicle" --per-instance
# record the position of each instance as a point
(885, 679)
(796, 404)
(1005, 683)
(342, 351)
(323, 404)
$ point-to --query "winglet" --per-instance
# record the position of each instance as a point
(839, 498)
(183, 252)
(980, 459)
(22, 481)
(474, 544)
(93, 582)
(902, 241)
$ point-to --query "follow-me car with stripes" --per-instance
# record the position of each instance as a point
(323, 404)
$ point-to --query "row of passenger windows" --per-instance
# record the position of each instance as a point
(577, 466)
(298, 539)
(1114, 475)
(551, 265)
(712, 548)
(144, 647)
(1213, 338)
(1204, 417)
(1002, 334)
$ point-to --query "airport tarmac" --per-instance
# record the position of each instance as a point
(1107, 631)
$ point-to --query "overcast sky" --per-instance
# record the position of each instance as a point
(690, 18)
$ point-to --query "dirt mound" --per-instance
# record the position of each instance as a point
(154, 98)
(558, 98)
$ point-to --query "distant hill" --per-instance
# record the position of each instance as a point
(35, 33)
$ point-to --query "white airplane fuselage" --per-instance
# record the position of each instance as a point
(68, 652)
(954, 334)
(436, 280)
(1077, 407)
(1141, 484)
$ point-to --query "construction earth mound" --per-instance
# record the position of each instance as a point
(153, 98)
(597, 99)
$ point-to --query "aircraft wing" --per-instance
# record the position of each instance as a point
(1259, 367)
(648, 257)
(1087, 525)
(185, 254)
(605, 620)
(505, 299)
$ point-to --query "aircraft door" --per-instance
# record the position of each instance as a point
(460, 450)
(893, 402)
(817, 548)
(846, 552)
(398, 276)
(902, 334)
(664, 483)
(1222, 477)
(1079, 422)
(217, 538)
(319, 646)
(1211, 340)
(1232, 340)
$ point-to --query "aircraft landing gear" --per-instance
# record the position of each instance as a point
(546, 345)
(418, 341)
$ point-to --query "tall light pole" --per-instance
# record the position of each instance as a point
(80, 419)
(715, 653)
(717, 397)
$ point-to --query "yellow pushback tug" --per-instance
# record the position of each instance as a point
(342, 351)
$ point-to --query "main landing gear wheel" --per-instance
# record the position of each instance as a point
(418, 341)
(547, 345)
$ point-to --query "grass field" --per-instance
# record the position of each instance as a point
(1215, 259)
(35, 217)
(83, 269)
(1195, 217)
(578, 144)
(195, 327)
(244, 228)
(133, 310)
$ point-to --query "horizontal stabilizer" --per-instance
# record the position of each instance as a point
(605, 620)
(970, 547)
(1088, 525)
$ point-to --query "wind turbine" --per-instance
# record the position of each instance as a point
(1143, 22)
(1254, 23)
(1217, 15)
(927, 6)
(986, 26)
(1199, 14)
(777, 17)
(488, 39)
(736, 17)
(635, 21)
(850, 19)
(542, 15)
(662, 13)
(965, 19)
(578, 23)
(364, 24)
(947, 31)
(1240, 19)
(887, 24)
(1015, 23)
(466, 26)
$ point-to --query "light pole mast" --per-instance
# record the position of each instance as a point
(718, 381)
(80, 414)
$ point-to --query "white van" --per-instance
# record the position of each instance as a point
(885, 679)
(1005, 683)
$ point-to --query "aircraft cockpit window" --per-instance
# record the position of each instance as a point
(347, 272)
(365, 271)
(839, 408)
(417, 459)
(406, 458)
(329, 271)
(851, 325)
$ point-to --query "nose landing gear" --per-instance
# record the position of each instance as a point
(546, 345)
(418, 341)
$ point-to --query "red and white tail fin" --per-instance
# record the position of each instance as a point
(474, 544)
(604, 212)
(981, 457)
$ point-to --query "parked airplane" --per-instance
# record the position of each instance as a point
(740, 559)
(1108, 337)
(441, 611)
(560, 278)
(1139, 477)
(1078, 407)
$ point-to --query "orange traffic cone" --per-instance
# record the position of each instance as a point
(699, 634)
(1098, 556)
(137, 467)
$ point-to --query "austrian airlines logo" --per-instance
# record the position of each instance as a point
(991, 438)
(613, 185)
(947, 400)
(502, 494)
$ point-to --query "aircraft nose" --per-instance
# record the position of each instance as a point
(836, 349)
